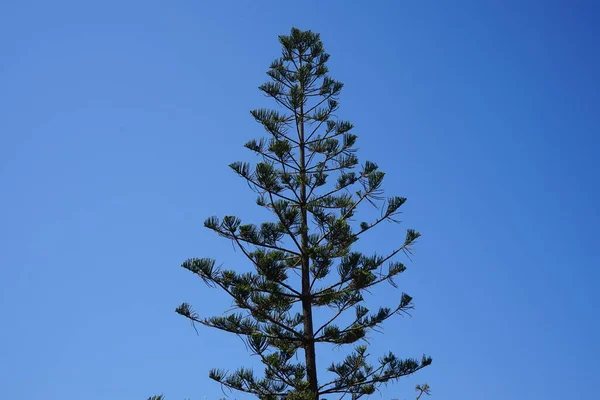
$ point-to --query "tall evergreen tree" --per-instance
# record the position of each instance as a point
(303, 260)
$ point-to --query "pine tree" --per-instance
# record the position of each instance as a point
(302, 261)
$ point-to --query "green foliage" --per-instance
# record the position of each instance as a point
(423, 389)
(310, 179)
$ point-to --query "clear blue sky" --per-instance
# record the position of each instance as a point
(118, 120)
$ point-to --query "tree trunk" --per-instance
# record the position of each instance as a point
(309, 344)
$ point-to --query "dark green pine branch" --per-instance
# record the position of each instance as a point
(244, 234)
(347, 276)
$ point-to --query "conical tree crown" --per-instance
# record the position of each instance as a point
(310, 179)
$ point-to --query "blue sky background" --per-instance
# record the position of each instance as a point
(118, 120)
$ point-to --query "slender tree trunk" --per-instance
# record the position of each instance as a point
(309, 345)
